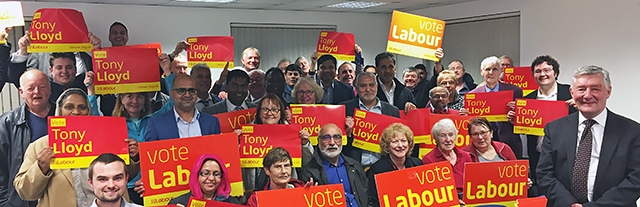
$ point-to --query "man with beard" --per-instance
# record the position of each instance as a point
(390, 89)
(108, 179)
(334, 90)
(237, 89)
(438, 101)
(346, 74)
(256, 85)
(292, 74)
(367, 100)
(329, 166)
(184, 120)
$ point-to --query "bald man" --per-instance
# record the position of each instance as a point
(184, 120)
(20, 127)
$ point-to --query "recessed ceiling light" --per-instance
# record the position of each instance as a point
(209, 1)
(356, 4)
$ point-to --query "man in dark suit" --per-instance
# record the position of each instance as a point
(184, 120)
(390, 89)
(367, 87)
(491, 69)
(334, 90)
(237, 89)
(590, 158)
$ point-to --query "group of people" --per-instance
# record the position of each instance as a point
(576, 163)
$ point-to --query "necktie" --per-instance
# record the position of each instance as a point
(579, 187)
(238, 108)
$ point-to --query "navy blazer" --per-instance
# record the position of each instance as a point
(341, 92)
(163, 126)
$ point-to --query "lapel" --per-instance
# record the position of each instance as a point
(171, 124)
(204, 126)
(571, 140)
(563, 92)
(397, 90)
(381, 91)
(610, 140)
(67, 174)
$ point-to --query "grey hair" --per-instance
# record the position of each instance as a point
(256, 71)
(438, 87)
(490, 61)
(409, 69)
(300, 59)
(319, 92)
(345, 63)
(63, 97)
(441, 125)
(506, 57)
(364, 74)
(199, 65)
(592, 70)
(246, 50)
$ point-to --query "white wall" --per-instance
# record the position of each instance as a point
(576, 33)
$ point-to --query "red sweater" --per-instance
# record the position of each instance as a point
(501, 148)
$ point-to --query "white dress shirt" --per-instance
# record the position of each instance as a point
(597, 131)
(389, 94)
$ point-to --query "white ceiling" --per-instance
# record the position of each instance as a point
(286, 5)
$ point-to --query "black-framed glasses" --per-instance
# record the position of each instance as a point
(309, 92)
(182, 91)
(208, 173)
(327, 138)
(268, 110)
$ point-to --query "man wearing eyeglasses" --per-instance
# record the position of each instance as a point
(237, 91)
(184, 120)
(330, 166)
(438, 101)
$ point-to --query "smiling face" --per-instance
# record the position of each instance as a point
(109, 181)
(346, 74)
(327, 71)
(118, 35)
(74, 105)
(367, 88)
(133, 102)
(410, 79)
(304, 64)
(35, 89)
(182, 95)
(306, 94)
(251, 60)
(63, 71)
(399, 146)
(449, 84)
(480, 136)
(269, 112)
(445, 139)
(590, 93)
(203, 79)
(439, 98)
(491, 73)
(386, 70)
(238, 88)
(209, 177)
(330, 147)
(544, 74)
(292, 77)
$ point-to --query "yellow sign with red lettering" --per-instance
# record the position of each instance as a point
(11, 14)
(415, 36)
(495, 182)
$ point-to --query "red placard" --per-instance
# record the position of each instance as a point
(258, 139)
(313, 116)
(153, 45)
(418, 121)
(193, 202)
(492, 105)
(521, 77)
(462, 125)
(59, 30)
(368, 128)
(234, 120)
(339, 44)
(166, 165)
(426, 185)
(322, 195)
(215, 51)
(532, 202)
(491, 182)
(533, 115)
(125, 70)
(76, 144)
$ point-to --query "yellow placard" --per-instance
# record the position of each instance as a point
(11, 14)
(415, 36)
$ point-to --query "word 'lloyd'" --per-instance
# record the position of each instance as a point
(365, 130)
(72, 142)
(111, 71)
(199, 52)
(44, 32)
(528, 117)
(257, 145)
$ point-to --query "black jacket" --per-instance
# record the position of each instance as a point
(5, 50)
(356, 175)
(341, 91)
(401, 94)
(381, 166)
(15, 137)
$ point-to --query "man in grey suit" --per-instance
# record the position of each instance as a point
(237, 88)
(590, 158)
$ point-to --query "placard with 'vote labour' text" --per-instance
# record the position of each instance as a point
(368, 128)
(215, 51)
(425, 185)
(166, 165)
(258, 139)
(415, 36)
(339, 44)
(76, 144)
(532, 115)
(313, 116)
(58, 30)
(235, 119)
(521, 77)
(322, 195)
(495, 182)
(125, 70)
(490, 105)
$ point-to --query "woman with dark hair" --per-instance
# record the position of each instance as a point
(209, 180)
(482, 147)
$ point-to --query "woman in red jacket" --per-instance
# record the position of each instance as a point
(483, 148)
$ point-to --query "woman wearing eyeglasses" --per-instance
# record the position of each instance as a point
(483, 148)
(396, 145)
(209, 180)
(307, 91)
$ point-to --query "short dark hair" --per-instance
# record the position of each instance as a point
(106, 158)
(478, 121)
(546, 58)
(237, 73)
(56, 55)
(325, 58)
(293, 68)
(384, 55)
(277, 154)
(277, 101)
(421, 66)
(118, 23)
(369, 66)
